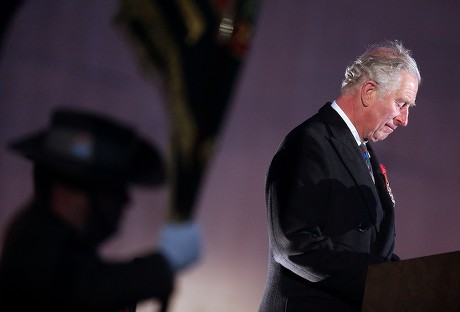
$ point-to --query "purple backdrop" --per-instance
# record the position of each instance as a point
(68, 52)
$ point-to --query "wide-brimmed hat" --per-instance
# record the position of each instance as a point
(89, 146)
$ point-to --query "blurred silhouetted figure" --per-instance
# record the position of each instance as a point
(83, 166)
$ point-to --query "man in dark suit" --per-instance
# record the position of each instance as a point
(329, 214)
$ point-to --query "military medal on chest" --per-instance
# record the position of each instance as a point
(387, 183)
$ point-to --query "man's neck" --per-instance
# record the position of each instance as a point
(347, 120)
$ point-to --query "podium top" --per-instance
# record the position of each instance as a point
(429, 283)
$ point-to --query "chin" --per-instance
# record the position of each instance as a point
(378, 136)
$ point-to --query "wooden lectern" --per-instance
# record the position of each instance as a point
(430, 283)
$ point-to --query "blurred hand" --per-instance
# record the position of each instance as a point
(180, 243)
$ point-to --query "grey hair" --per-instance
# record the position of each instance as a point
(382, 63)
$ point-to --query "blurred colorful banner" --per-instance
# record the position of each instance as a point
(196, 48)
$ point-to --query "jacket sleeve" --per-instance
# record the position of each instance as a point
(121, 284)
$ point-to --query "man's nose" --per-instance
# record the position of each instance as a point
(403, 118)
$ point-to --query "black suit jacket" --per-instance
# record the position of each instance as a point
(327, 219)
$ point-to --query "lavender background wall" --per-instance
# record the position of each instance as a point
(68, 52)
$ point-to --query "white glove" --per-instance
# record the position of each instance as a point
(180, 243)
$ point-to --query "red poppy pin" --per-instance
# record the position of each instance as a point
(384, 172)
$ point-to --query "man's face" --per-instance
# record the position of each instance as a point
(391, 110)
(107, 207)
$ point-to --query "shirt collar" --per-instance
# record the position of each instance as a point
(347, 120)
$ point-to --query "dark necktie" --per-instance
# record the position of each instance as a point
(367, 158)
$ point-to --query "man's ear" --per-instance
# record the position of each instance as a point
(368, 92)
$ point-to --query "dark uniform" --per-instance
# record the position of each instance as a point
(47, 265)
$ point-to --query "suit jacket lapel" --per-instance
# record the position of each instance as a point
(386, 235)
(381, 212)
(349, 152)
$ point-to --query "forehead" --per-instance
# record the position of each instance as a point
(408, 87)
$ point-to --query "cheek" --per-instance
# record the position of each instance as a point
(387, 114)
(377, 120)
